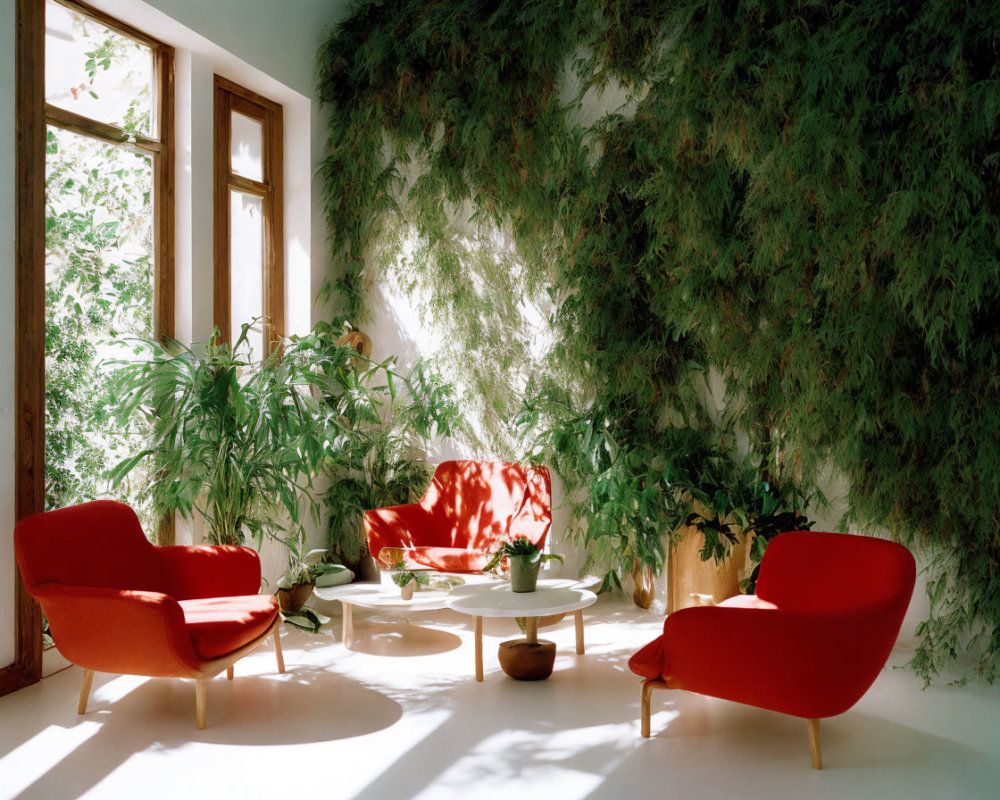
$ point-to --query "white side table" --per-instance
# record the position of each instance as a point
(495, 599)
(378, 597)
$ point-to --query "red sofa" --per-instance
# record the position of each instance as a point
(810, 643)
(469, 509)
(116, 603)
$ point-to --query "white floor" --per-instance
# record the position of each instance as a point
(401, 716)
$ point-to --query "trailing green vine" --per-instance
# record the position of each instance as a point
(799, 196)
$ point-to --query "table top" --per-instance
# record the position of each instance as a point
(495, 599)
(378, 595)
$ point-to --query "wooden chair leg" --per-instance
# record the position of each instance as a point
(815, 747)
(647, 691)
(347, 624)
(479, 649)
(200, 703)
(88, 681)
(277, 648)
(229, 673)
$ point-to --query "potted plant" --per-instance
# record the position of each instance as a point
(524, 558)
(382, 418)
(624, 477)
(735, 522)
(235, 439)
(295, 586)
(407, 581)
(304, 572)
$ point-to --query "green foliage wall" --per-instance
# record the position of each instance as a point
(802, 195)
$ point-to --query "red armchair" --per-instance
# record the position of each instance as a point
(116, 603)
(810, 643)
(467, 511)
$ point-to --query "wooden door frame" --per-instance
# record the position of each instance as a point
(31, 117)
(29, 322)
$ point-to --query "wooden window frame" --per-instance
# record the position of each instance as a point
(32, 116)
(230, 97)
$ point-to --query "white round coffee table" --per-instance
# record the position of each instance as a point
(495, 599)
(378, 597)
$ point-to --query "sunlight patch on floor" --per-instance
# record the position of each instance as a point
(28, 762)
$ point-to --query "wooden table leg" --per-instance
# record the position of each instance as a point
(531, 630)
(579, 631)
(479, 649)
(347, 631)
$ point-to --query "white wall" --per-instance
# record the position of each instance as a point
(267, 46)
(280, 39)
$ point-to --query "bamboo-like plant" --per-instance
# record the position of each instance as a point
(383, 418)
(234, 439)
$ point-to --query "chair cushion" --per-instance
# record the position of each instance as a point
(746, 601)
(220, 625)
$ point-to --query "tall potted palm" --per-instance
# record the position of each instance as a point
(236, 440)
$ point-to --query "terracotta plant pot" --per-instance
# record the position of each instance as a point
(293, 599)
(527, 661)
(524, 572)
(406, 592)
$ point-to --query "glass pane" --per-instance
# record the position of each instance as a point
(248, 147)
(98, 297)
(96, 72)
(246, 270)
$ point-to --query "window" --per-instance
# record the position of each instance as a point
(107, 176)
(249, 238)
(109, 88)
(94, 98)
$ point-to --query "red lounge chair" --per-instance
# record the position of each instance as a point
(116, 603)
(811, 641)
(468, 510)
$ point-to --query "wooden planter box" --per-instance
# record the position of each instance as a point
(688, 575)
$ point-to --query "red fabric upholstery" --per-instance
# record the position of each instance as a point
(126, 632)
(116, 603)
(810, 644)
(470, 507)
(209, 571)
(102, 541)
(219, 625)
(449, 559)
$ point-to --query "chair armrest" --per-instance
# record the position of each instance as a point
(404, 526)
(119, 631)
(193, 572)
(809, 664)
